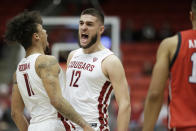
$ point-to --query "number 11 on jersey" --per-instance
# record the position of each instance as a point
(28, 85)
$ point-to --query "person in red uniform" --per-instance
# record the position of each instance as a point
(176, 59)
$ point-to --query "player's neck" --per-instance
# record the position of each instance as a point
(94, 48)
(33, 50)
(194, 25)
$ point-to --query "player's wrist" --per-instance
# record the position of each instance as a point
(83, 124)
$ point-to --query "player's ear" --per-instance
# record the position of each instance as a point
(35, 36)
(191, 16)
(102, 29)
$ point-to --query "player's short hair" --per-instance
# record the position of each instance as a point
(94, 12)
(21, 28)
(193, 6)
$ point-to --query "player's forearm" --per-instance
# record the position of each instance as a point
(20, 121)
(68, 112)
(151, 112)
(124, 114)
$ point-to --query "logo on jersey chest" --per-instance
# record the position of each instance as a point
(81, 65)
(95, 59)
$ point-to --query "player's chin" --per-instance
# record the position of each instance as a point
(83, 45)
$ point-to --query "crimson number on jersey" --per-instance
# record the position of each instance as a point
(192, 78)
(74, 78)
(28, 85)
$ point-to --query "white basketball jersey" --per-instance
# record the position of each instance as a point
(33, 92)
(87, 88)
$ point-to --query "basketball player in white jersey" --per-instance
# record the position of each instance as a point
(38, 80)
(93, 72)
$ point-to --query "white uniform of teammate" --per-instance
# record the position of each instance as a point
(44, 116)
(87, 88)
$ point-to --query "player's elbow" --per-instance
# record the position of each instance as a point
(128, 107)
(13, 114)
(125, 107)
(55, 101)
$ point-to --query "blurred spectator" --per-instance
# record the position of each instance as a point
(128, 32)
(165, 31)
(6, 122)
(137, 109)
(63, 55)
(147, 68)
(148, 32)
(1, 47)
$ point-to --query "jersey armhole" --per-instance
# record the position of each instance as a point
(177, 50)
(101, 66)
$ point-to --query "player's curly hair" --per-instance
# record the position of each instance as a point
(21, 28)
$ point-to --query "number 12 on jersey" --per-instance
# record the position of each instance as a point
(74, 78)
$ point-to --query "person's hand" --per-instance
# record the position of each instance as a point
(88, 128)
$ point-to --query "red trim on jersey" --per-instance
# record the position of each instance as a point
(72, 126)
(108, 94)
(66, 125)
(106, 105)
(100, 105)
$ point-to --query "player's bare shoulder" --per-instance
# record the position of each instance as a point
(111, 59)
(46, 63)
(170, 42)
(45, 60)
(169, 45)
(111, 63)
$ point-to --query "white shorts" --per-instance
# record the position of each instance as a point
(48, 125)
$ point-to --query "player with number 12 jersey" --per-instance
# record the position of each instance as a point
(89, 90)
(182, 107)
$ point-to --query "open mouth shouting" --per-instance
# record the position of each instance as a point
(84, 38)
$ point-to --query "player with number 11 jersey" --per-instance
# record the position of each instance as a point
(33, 92)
